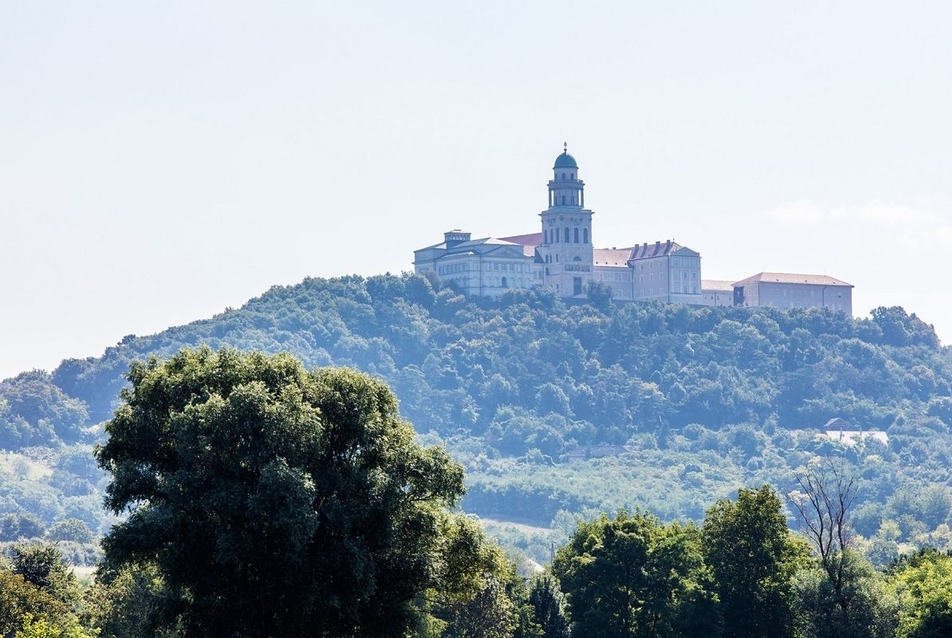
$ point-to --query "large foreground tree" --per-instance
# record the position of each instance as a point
(274, 501)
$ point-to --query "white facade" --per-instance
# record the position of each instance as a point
(562, 255)
(717, 292)
(790, 290)
(484, 267)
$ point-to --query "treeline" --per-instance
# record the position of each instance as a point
(741, 572)
(609, 370)
(558, 408)
(265, 499)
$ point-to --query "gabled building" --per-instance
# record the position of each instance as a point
(484, 267)
(788, 290)
(563, 255)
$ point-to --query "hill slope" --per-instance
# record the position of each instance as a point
(556, 408)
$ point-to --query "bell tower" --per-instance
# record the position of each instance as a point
(566, 231)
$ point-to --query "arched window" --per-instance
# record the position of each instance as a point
(563, 200)
(563, 177)
(504, 283)
(576, 235)
(566, 235)
(584, 235)
(571, 175)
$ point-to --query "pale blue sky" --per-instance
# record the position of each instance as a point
(162, 161)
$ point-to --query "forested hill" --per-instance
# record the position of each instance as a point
(601, 370)
(530, 381)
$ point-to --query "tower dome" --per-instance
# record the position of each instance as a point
(565, 161)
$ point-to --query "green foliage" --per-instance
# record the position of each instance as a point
(14, 527)
(37, 595)
(632, 576)
(554, 393)
(35, 411)
(42, 628)
(133, 601)
(42, 565)
(859, 606)
(549, 607)
(267, 496)
(752, 556)
(923, 585)
(71, 529)
(20, 600)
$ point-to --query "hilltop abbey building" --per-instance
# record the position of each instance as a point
(562, 255)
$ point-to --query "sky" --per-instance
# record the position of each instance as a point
(161, 162)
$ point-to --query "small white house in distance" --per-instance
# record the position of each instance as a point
(840, 430)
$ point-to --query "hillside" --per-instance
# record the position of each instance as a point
(557, 409)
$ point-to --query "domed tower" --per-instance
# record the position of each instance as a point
(567, 231)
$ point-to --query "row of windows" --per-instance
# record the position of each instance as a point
(613, 276)
(681, 274)
(553, 238)
(794, 304)
(563, 200)
(684, 288)
(686, 262)
(494, 266)
(813, 293)
(499, 282)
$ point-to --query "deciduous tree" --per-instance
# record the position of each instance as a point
(753, 557)
(631, 576)
(275, 501)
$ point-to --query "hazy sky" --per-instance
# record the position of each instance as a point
(161, 161)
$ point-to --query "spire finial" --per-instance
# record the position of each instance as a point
(565, 147)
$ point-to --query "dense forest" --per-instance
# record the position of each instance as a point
(555, 409)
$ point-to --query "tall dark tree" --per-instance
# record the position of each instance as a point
(275, 501)
(548, 606)
(753, 557)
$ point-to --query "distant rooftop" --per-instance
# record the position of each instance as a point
(717, 284)
(792, 278)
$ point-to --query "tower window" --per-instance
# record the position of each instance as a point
(584, 235)
(576, 235)
(566, 235)
(563, 177)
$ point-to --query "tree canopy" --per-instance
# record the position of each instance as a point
(632, 576)
(275, 501)
(753, 557)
